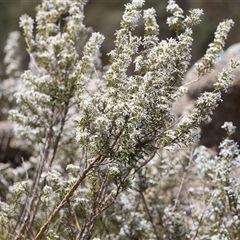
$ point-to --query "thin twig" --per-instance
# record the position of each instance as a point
(149, 215)
(66, 198)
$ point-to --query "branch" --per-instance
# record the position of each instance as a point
(65, 199)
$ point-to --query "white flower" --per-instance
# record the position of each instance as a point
(229, 128)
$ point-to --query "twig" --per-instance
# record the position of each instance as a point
(149, 215)
(66, 199)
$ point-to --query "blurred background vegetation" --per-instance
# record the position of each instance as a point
(104, 16)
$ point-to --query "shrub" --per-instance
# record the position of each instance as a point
(109, 158)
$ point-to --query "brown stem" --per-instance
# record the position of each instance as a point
(66, 198)
(21, 225)
(32, 202)
(149, 216)
(73, 189)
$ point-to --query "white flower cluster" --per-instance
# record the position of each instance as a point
(12, 58)
(229, 128)
(215, 48)
(110, 163)
(220, 173)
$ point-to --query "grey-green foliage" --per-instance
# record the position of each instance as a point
(99, 136)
